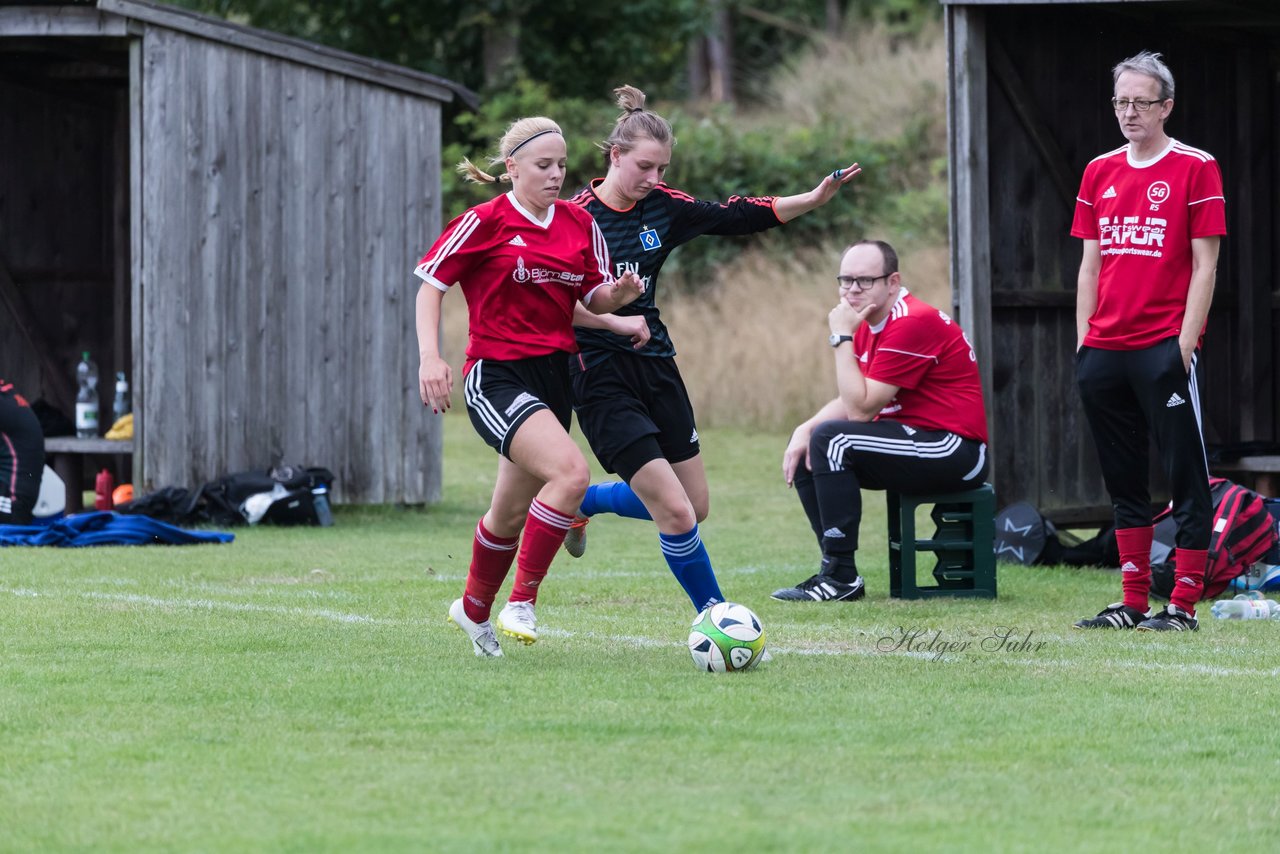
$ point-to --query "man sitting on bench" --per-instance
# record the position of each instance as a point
(909, 416)
(21, 457)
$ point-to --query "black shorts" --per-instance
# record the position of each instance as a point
(634, 409)
(501, 395)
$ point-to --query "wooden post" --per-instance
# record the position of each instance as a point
(137, 294)
(970, 217)
(1251, 170)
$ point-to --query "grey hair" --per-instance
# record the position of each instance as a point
(1147, 63)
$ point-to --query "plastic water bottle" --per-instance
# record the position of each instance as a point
(120, 407)
(1246, 609)
(87, 398)
(320, 500)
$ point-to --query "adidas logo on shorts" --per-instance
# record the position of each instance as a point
(521, 399)
(1174, 400)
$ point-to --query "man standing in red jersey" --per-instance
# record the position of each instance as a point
(1151, 214)
(909, 415)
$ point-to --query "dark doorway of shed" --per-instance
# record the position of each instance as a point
(65, 220)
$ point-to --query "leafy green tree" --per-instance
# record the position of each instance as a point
(579, 48)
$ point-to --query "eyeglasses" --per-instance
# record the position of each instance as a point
(863, 283)
(1139, 104)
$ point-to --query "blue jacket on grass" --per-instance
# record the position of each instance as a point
(106, 529)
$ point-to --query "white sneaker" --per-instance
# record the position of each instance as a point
(481, 634)
(517, 621)
(575, 542)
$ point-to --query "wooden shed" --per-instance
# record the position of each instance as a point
(1028, 91)
(232, 217)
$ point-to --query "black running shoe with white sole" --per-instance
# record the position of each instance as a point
(822, 588)
(1117, 616)
(1171, 619)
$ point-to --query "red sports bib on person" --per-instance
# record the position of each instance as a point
(1144, 217)
(927, 355)
(520, 276)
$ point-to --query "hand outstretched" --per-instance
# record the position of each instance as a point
(831, 184)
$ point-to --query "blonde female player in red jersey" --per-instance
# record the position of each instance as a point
(524, 260)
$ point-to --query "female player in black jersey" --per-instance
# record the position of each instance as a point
(630, 400)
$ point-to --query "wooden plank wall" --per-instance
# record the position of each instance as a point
(57, 239)
(1042, 450)
(283, 209)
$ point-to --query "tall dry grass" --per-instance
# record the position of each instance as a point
(869, 79)
(752, 343)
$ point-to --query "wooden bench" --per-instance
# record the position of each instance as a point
(1261, 470)
(65, 455)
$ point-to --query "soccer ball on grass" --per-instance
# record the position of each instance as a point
(726, 637)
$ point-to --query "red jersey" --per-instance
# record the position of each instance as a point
(1144, 217)
(927, 355)
(521, 277)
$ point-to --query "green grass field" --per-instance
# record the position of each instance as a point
(300, 690)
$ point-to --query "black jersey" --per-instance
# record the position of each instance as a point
(641, 238)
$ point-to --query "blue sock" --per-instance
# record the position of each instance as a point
(613, 497)
(691, 566)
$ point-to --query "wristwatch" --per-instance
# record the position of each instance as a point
(836, 340)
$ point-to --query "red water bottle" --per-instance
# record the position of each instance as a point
(103, 487)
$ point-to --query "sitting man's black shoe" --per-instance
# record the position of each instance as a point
(822, 588)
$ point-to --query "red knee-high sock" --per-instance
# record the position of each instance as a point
(544, 532)
(491, 558)
(1188, 579)
(1135, 565)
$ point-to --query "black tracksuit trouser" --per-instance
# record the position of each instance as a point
(1130, 397)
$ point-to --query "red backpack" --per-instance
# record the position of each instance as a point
(1243, 531)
